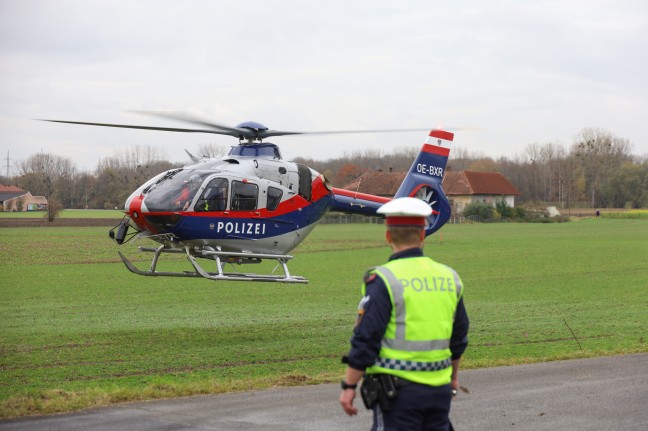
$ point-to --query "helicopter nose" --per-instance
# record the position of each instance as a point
(135, 210)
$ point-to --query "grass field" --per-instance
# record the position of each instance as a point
(116, 214)
(78, 330)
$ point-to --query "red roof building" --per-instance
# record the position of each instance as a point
(466, 187)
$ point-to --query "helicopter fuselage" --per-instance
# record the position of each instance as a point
(238, 203)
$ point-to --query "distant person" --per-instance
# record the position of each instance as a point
(598, 213)
(410, 333)
(183, 198)
(189, 189)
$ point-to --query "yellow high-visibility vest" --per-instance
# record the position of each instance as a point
(424, 295)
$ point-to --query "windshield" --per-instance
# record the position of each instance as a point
(174, 191)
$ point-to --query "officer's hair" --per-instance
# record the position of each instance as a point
(405, 235)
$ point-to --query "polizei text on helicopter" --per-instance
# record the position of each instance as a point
(245, 228)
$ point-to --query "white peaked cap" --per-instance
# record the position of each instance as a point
(405, 207)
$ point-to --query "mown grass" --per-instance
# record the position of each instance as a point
(630, 214)
(68, 213)
(78, 330)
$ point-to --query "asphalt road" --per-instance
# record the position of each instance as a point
(609, 393)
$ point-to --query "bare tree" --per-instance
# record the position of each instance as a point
(49, 175)
(599, 154)
(212, 150)
(122, 174)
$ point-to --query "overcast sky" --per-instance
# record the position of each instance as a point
(521, 72)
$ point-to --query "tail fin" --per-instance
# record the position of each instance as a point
(424, 178)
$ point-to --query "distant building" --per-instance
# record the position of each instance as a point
(462, 188)
(466, 187)
(14, 198)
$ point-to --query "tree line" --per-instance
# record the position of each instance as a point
(597, 170)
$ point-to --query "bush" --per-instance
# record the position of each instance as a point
(53, 209)
(504, 209)
(479, 211)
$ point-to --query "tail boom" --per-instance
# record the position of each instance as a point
(350, 202)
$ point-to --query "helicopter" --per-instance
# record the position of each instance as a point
(252, 205)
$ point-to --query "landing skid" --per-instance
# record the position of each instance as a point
(221, 258)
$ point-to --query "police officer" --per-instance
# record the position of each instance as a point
(410, 332)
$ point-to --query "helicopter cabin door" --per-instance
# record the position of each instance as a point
(214, 196)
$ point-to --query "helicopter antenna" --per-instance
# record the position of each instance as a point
(192, 157)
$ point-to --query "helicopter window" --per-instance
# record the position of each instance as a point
(305, 182)
(244, 196)
(274, 197)
(174, 191)
(214, 197)
(266, 150)
(189, 190)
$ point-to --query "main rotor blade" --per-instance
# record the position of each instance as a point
(128, 126)
(232, 131)
(345, 132)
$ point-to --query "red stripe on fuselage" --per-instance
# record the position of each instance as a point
(435, 149)
(356, 195)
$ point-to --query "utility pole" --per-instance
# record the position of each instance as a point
(8, 160)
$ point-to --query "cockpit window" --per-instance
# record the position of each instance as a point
(174, 191)
(274, 197)
(214, 197)
(244, 196)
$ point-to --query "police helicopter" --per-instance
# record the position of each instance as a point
(252, 205)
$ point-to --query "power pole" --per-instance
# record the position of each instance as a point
(8, 160)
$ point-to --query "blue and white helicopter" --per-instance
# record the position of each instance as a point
(252, 205)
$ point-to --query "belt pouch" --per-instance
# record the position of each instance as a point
(370, 391)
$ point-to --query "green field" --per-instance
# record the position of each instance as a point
(78, 330)
(116, 214)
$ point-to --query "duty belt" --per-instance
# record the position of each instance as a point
(398, 364)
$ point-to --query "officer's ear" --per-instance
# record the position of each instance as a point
(388, 236)
(422, 236)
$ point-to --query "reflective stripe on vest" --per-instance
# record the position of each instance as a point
(399, 342)
(397, 364)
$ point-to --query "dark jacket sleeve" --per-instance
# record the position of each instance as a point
(459, 338)
(368, 333)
